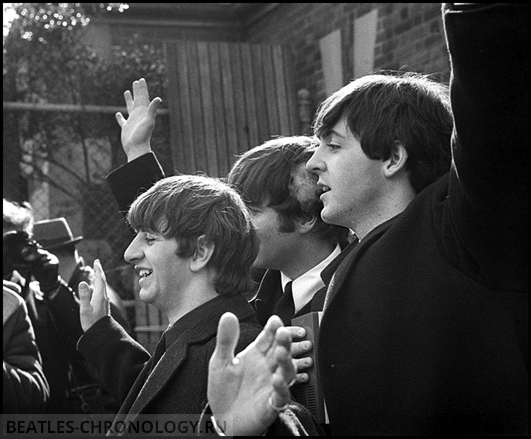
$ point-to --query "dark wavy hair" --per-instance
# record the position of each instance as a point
(265, 175)
(384, 108)
(185, 207)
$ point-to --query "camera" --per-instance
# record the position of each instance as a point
(20, 251)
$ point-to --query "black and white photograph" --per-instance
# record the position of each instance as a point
(265, 219)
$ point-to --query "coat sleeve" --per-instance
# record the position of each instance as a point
(488, 215)
(117, 357)
(133, 178)
(64, 312)
(25, 387)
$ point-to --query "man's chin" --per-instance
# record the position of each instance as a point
(146, 296)
(329, 218)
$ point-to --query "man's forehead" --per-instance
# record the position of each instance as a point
(339, 129)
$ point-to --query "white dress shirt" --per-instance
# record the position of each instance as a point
(307, 284)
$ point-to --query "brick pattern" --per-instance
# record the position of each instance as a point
(409, 38)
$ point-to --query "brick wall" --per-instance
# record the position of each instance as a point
(409, 37)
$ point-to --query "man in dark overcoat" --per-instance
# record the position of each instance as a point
(425, 324)
(193, 251)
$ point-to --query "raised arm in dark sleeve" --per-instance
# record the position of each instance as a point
(133, 178)
(489, 190)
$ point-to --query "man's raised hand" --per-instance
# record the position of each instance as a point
(138, 127)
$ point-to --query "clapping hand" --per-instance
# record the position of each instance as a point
(247, 391)
(94, 301)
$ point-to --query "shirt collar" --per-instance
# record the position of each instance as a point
(307, 284)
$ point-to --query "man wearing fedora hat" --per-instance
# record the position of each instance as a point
(54, 233)
(56, 237)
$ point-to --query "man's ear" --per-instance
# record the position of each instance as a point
(202, 255)
(304, 225)
(396, 161)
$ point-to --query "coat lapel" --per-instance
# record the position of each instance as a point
(167, 366)
(349, 260)
(170, 363)
(125, 410)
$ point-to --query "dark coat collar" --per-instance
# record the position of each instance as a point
(344, 261)
(147, 387)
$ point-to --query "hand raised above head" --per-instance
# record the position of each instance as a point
(138, 127)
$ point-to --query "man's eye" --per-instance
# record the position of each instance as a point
(332, 145)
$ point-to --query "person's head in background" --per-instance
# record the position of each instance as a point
(383, 139)
(283, 198)
(56, 236)
(23, 256)
(17, 217)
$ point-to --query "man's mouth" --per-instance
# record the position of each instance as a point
(324, 188)
(144, 272)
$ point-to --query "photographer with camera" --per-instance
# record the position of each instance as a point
(54, 313)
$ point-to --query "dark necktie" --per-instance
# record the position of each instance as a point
(159, 351)
(285, 308)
